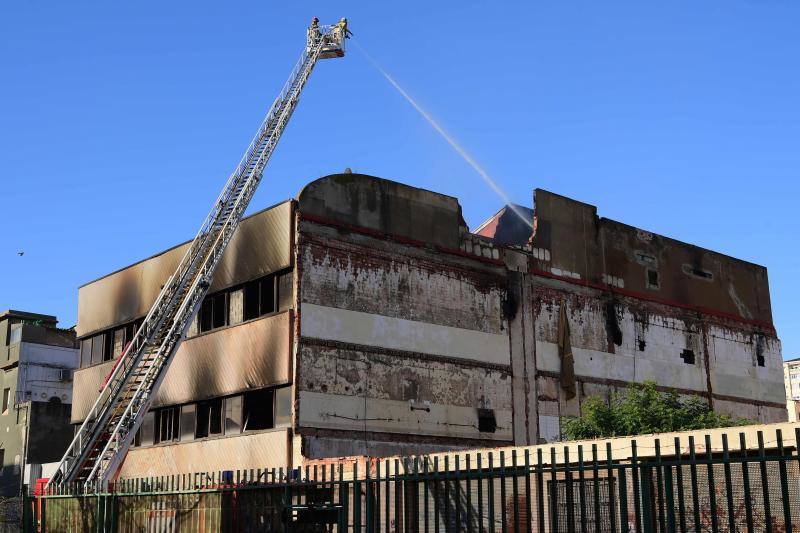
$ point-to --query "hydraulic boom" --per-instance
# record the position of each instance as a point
(101, 443)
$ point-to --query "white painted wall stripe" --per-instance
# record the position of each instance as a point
(369, 329)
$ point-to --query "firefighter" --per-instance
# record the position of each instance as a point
(343, 31)
(313, 31)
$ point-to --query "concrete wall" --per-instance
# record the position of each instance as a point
(583, 246)
(652, 338)
(401, 340)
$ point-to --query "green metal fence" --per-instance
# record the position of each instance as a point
(751, 487)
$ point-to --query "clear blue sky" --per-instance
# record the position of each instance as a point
(119, 123)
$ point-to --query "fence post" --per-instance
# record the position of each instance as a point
(762, 458)
(553, 492)
(611, 499)
(728, 483)
(746, 482)
(787, 511)
(539, 489)
(679, 480)
(712, 492)
(647, 503)
(660, 508)
(637, 500)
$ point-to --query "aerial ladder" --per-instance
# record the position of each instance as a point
(101, 443)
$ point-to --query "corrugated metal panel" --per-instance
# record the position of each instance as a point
(261, 245)
(250, 355)
(259, 450)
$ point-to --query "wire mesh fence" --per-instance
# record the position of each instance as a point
(696, 487)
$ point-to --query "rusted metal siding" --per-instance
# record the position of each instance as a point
(261, 245)
(257, 450)
(249, 355)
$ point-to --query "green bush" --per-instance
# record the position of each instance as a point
(642, 409)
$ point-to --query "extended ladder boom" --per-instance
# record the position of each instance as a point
(101, 443)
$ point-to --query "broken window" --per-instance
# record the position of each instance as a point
(108, 349)
(283, 406)
(220, 314)
(167, 422)
(251, 300)
(688, 356)
(284, 285)
(119, 343)
(233, 415)
(147, 430)
(207, 315)
(267, 287)
(697, 272)
(257, 410)
(130, 331)
(652, 279)
(6, 400)
(644, 258)
(760, 341)
(97, 348)
(613, 331)
(188, 414)
(487, 423)
(214, 312)
(209, 418)
(86, 352)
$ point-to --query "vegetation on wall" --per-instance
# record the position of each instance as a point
(642, 409)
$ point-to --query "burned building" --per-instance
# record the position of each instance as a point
(365, 318)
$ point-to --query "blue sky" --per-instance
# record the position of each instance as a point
(119, 123)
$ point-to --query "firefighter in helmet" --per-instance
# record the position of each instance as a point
(343, 29)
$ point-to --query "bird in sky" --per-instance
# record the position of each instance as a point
(20, 254)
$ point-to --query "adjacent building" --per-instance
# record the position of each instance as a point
(791, 380)
(37, 360)
(365, 318)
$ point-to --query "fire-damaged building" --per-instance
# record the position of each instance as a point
(365, 318)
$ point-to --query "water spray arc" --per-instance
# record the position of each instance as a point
(450, 140)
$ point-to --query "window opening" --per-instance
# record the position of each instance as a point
(220, 310)
(652, 279)
(188, 415)
(86, 352)
(283, 406)
(209, 418)
(97, 348)
(251, 300)
(487, 423)
(166, 423)
(258, 410)
(207, 315)
(147, 429)
(6, 400)
(267, 295)
(233, 415)
(688, 356)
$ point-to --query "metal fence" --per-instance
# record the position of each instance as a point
(676, 485)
